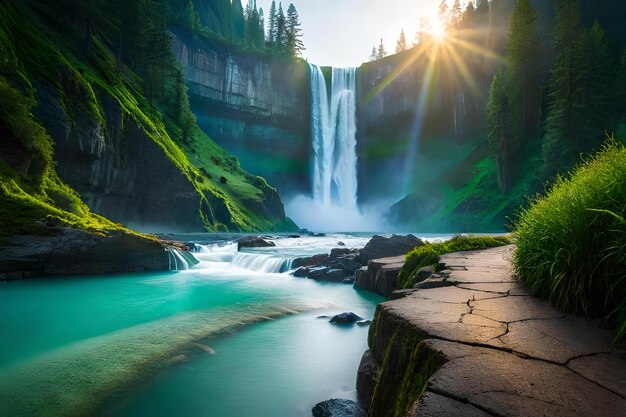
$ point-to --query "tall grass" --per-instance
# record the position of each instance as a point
(571, 243)
(428, 254)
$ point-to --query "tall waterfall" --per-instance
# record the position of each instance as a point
(333, 121)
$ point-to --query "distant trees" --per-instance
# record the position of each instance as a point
(294, 33)
(381, 52)
(514, 99)
(254, 32)
(497, 128)
(581, 89)
(401, 45)
(239, 21)
(374, 54)
(278, 32)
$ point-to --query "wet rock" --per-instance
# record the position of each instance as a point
(345, 318)
(348, 280)
(254, 242)
(338, 408)
(315, 260)
(385, 247)
(367, 376)
(380, 276)
(66, 251)
(327, 274)
(340, 243)
(301, 272)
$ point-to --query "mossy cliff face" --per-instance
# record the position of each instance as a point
(394, 372)
(117, 128)
(256, 107)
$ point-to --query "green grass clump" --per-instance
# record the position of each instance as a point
(429, 253)
(571, 243)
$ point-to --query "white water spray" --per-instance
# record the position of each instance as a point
(334, 138)
(176, 261)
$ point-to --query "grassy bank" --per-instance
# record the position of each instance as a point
(429, 253)
(571, 242)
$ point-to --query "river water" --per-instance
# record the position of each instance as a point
(228, 337)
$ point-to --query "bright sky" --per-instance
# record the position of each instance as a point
(341, 33)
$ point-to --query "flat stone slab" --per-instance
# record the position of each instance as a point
(434, 405)
(511, 288)
(508, 353)
(504, 384)
(607, 369)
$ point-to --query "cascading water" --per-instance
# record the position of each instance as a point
(252, 261)
(334, 137)
(176, 261)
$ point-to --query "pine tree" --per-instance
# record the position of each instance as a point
(382, 52)
(239, 22)
(294, 33)
(281, 34)
(443, 13)
(456, 13)
(373, 55)
(497, 130)
(423, 31)
(523, 75)
(559, 146)
(271, 24)
(260, 35)
(401, 45)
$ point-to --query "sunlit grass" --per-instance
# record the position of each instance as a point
(429, 253)
(571, 243)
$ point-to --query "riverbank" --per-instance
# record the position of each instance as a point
(473, 342)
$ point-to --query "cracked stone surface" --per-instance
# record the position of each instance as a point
(508, 353)
(434, 405)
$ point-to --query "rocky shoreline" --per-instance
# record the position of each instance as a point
(64, 251)
(472, 342)
(350, 265)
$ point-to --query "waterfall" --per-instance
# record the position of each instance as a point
(253, 261)
(176, 260)
(261, 262)
(333, 131)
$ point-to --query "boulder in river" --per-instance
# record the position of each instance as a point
(345, 318)
(385, 247)
(337, 407)
(254, 242)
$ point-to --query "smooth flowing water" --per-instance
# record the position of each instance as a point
(230, 336)
(333, 121)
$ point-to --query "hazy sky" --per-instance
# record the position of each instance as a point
(342, 32)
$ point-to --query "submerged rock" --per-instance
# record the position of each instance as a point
(254, 242)
(346, 318)
(337, 407)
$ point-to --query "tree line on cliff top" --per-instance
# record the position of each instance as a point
(279, 33)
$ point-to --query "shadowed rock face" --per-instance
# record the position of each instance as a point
(68, 251)
(254, 107)
(480, 345)
(123, 175)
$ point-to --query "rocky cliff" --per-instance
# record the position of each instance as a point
(411, 123)
(256, 107)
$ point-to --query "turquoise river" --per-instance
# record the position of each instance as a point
(232, 336)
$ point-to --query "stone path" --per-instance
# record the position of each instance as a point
(507, 353)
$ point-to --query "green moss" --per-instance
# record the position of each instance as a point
(429, 253)
(571, 242)
(407, 365)
(53, 50)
